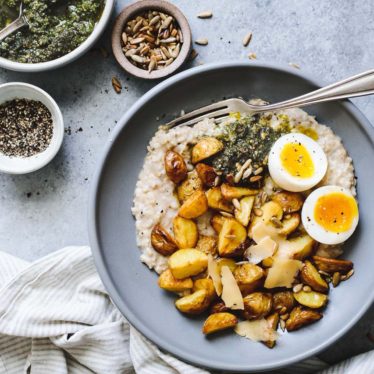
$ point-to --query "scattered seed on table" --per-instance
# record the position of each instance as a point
(203, 41)
(292, 64)
(116, 85)
(206, 14)
(247, 39)
(193, 55)
(252, 56)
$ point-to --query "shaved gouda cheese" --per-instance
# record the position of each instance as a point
(231, 295)
(282, 273)
(261, 231)
(259, 330)
(214, 274)
(264, 249)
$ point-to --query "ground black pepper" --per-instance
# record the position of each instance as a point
(26, 127)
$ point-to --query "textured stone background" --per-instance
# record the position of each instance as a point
(46, 210)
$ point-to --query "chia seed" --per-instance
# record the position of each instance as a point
(26, 127)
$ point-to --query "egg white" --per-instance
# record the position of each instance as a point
(282, 177)
(316, 231)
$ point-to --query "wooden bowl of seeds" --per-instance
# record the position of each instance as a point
(151, 39)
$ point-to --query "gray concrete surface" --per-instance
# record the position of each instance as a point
(46, 210)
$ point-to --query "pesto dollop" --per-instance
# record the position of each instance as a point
(56, 27)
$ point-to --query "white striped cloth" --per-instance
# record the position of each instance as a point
(56, 317)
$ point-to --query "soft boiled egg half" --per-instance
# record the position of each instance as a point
(296, 162)
(330, 214)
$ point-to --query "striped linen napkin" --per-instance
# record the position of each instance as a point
(57, 318)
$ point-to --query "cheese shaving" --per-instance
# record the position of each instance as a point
(264, 249)
(259, 330)
(214, 274)
(282, 273)
(231, 295)
(261, 231)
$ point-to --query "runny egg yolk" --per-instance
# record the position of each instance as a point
(297, 161)
(335, 212)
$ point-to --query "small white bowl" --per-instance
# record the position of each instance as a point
(24, 165)
(73, 55)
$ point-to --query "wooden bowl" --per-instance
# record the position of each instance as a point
(139, 7)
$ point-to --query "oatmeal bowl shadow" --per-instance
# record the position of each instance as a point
(71, 56)
(22, 165)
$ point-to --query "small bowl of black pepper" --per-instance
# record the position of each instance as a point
(31, 128)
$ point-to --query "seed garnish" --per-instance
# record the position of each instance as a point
(206, 14)
(247, 39)
(116, 85)
(252, 56)
(202, 41)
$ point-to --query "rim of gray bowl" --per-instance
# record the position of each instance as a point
(94, 240)
(71, 56)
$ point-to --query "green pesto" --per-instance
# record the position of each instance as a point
(56, 27)
(249, 137)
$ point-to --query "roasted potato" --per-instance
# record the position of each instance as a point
(195, 206)
(190, 185)
(217, 222)
(206, 148)
(249, 277)
(297, 248)
(257, 305)
(167, 282)
(175, 166)
(230, 238)
(219, 321)
(194, 303)
(289, 201)
(207, 285)
(289, 225)
(207, 244)
(230, 192)
(310, 276)
(283, 301)
(207, 174)
(216, 200)
(269, 210)
(185, 263)
(312, 299)
(332, 265)
(273, 320)
(162, 241)
(229, 262)
(218, 307)
(185, 232)
(300, 317)
(243, 214)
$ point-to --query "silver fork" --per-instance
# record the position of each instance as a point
(17, 24)
(357, 85)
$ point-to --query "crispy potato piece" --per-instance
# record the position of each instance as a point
(175, 166)
(190, 185)
(167, 282)
(300, 317)
(185, 232)
(195, 206)
(257, 305)
(217, 222)
(185, 263)
(290, 224)
(283, 301)
(269, 210)
(207, 174)
(216, 200)
(273, 320)
(162, 241)
(206, 148)
(332, 265)
(230, 192)
(207, 285)
(219, 321)
(289, 201)
(207, 244)
(194, 303)
(249, 277)
(243, 214)
(310, 276)
(218, 307)
(297, 248)
(229, 262)
(312, 299)
(230, 238)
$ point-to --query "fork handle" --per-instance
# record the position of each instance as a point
(12, 27)
(357, 85)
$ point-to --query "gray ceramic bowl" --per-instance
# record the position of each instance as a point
(112, 230)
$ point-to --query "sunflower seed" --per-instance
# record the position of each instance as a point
(256, 178)
(124, 38)
(258, 171)
(297, 288)
(252, 56)
(168, 40)
(203, 41)
(216, 181)
(247, 173)
(282, 325)
(258, 212)
(292, 64)
(166, 23)
(307, 289)
(348, 275)
(152, 64)
(284, 317)
(225, 214)
(137, 26)
(336, 279)
(116, 85)
(236, 203)
(247, 39)
(154, 20)
(137, 58)
(323, 273)
(206, 14)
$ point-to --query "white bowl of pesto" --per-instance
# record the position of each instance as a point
(71, 28)
(12, 161)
